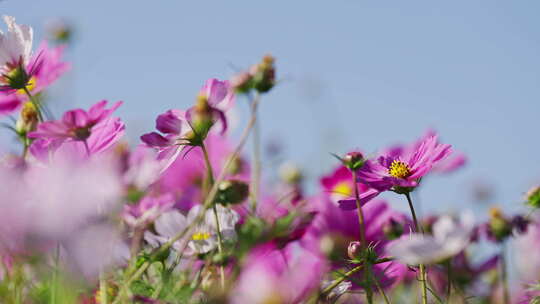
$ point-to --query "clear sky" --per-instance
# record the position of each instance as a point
(355, 74)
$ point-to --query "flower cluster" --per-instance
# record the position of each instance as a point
(185, 217)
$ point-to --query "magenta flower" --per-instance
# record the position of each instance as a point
(189, 128)
(271, 275)
(47, 67)
(94, 130)
(343, 228)
(340, 189)
(174, 126)
(403, 168)
(219, 94)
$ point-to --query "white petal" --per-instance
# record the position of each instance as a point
(170, 223)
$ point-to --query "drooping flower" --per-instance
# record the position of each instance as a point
(190, 128)
(401, 169)
(449, 238)
(203, 238)
(91, 131)
(174, 125)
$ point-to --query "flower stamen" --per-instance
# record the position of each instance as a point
(399, 169)
(200, 236)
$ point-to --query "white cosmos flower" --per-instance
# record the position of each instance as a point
(450, 236)
(15, 44)
(201, 239)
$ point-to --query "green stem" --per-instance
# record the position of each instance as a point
(54, 288)
(361, 222)
(210, 178)
(349, 273)
(35, 103)
(418, 228)
(256, 176)
(449, 279)
(379, 288)
(504, 276)
(103, 296)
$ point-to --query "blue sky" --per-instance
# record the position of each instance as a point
(355, 74)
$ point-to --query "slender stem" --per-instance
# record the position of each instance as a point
(349, 273)
(380, 289)
(35, 103)
(367, 270)
(360, 211)
(449, 279)
(418, 228)
(103, 296)
(210, 182)
(504, 275)
(256, 175)
(55, 274)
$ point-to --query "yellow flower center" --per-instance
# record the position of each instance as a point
(30, 86)
(399, 169)
(200, 236)
(342, 188)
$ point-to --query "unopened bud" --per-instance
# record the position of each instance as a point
(264, 75)
(353, 160)
(242, 82)
(28, 119)
(499, 227)
(237, 166)
(201, 120)
(290, 173)
(354, 251)
(532, 198)
(232, 192)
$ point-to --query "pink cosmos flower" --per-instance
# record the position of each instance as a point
(289, 275)
(92, 131)
(342, 228)
(47, 67)
(176, 125)
(404, 167)
(340, 189)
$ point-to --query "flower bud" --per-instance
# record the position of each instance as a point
(264, 74)
(532, 198)
(353, 160)
(499, 227)
(232, 192)
(201, 121)
(242, 82)
(290, 173)
(392, 229)
(28, 119)
(236, 167)
(354, 251)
